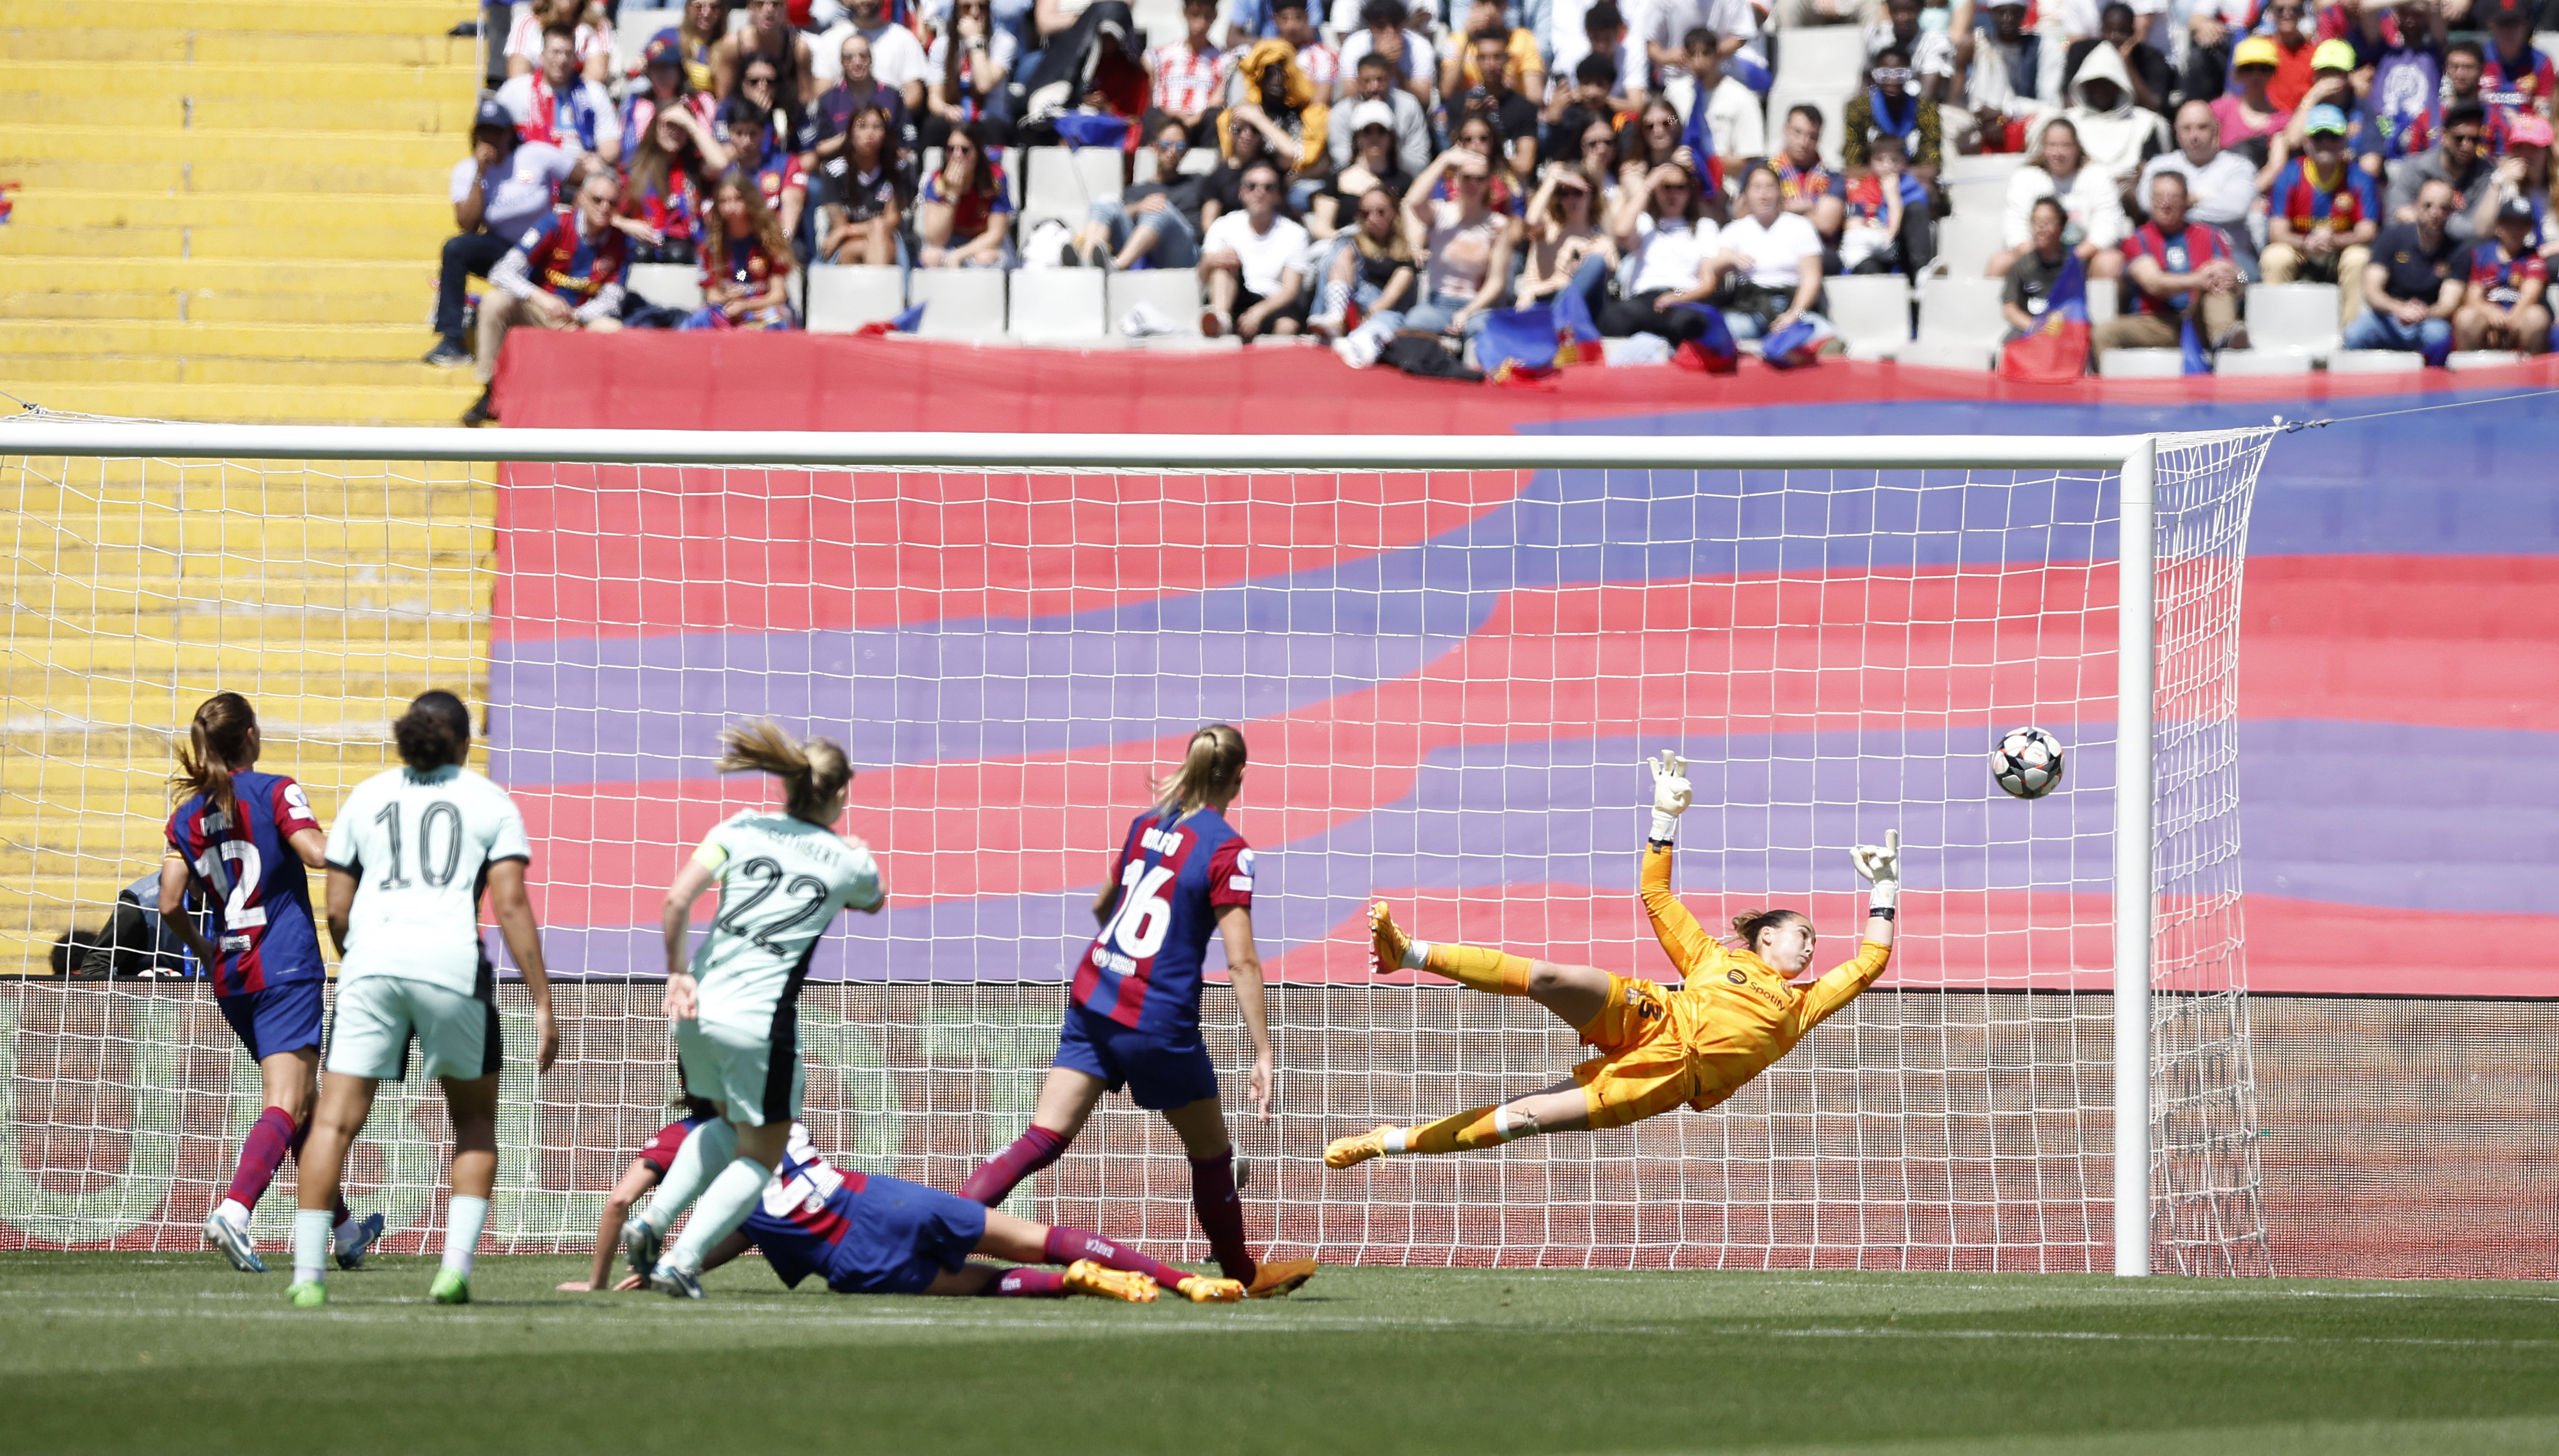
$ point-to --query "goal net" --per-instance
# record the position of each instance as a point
(1448, 659)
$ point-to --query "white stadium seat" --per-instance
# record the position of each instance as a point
(1965, 243)
(958, 303)
(1063, 182)
(1819, 56)
(1057, 305)
(1172, 292)
(843, 299)
(1944, 354)
(2482, 358)
(2261, 362)
(2142, 364)
(632, 31)
(1961, 311)
(2294, 318)
(1873, 313)
(668, 285)
(2374, 361)
(1977, 185)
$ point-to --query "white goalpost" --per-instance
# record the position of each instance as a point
(1447, 656)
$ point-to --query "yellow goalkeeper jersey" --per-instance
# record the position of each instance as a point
(1734, 1015)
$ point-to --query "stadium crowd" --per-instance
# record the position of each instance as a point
(1370, 173)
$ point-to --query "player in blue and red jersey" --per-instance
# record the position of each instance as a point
(869, 1233)
(242, 843)
(1132, 1012)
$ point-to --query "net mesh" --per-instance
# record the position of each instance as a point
(1447, 680)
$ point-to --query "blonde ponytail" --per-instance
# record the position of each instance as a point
(218, 738)
(1212, 770)
(811, 773)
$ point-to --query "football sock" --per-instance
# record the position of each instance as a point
(1221, 1214)
(1475, 1127)
(1480, 969)
(1066, 1245)
(301, 1135)
(724, 1205)
(310, 1245)
(269, 1138)
(704, 1151)
(1027, 1284)
(463, 1221)
(997, 1177)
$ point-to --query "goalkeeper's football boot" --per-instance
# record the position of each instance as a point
(1344, 1152)
(359, 1238)
(1386, 943)
(1084, 1276)
(1271, 1281)
(680, 1283)
(1201, 1289)
(451, 1286)
(309, 1294)
(232, 1239)
(641, 1245)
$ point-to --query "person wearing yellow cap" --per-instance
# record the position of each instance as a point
(2333, 68)
(2250, 119)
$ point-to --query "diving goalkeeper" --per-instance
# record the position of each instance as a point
(1738, 1011)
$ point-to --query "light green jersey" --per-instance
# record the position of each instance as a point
(419, 846)
(781, 882)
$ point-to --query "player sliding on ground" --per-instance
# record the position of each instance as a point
(1133, 1009)
(1738, 1011)
(736, 1008)
(412, 849)
(244, 843)
(868, 1234)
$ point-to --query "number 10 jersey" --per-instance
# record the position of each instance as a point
(782, 880)
(1175, 872)
(419, 846)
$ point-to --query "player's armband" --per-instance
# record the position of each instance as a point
(712, 854)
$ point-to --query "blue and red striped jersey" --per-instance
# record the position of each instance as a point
(658, 1152)
(806, 1210)
(1175, 873)
(253, 883)
(568, 266)
(2305, 200)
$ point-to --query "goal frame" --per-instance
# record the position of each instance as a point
(2134, 458)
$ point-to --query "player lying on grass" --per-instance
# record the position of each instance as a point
(868, 1234)
(1736, 1012)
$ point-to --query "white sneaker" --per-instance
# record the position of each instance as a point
(1360, 350)
(1331, 325)
(232, 1239)
(669, 1279)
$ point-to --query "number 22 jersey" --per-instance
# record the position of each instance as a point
(782, 880)
(242, 861)
(1175, 872)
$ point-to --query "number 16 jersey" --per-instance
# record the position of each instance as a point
(782, 880)
(1176, 871)
(419, 846)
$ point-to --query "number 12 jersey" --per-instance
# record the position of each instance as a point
(1176, 871)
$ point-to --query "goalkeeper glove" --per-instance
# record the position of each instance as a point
(1670, 795)
(1884, 866)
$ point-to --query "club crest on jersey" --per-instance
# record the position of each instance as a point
(1737, 977)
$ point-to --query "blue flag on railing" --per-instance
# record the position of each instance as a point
(1793, 347)
(2190, 342)
(1712, 352)
(1517, 344)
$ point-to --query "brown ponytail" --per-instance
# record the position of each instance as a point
(1750, 922)
(216, 739)
(1212, 770)
(435, 731)
(811, 773)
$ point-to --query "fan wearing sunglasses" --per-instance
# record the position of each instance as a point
(1249, 263)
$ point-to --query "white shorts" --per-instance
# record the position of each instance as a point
(757, 1077)
(376, 1015)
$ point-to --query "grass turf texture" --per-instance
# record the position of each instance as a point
(102, 1351)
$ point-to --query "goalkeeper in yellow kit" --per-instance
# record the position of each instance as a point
(1738, 1011)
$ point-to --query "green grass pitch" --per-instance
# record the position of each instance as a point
(176, 1353)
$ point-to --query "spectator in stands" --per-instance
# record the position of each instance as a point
(556, 104)
(1673, 258)
(1804, 183)
(1787, 15)
(1249, 263)
(860, 90)
(663, 66)
(1374, 165)
(2028, 291)
(1377, 272)
(1929, 55)
(897, 56)
(1466, 241)
(2146, 70)
(565, 272)
(1372, 79)
(746, 263)
(768, 35)
(1513, 116)
(2004, 84)
(2181, 271)
(1564, 237)
(1890, 106)
(1524, 71)
(593, 48)
(1322, 63)
(965, 215)
(2410, 288)
(500, 189)
(862, 211)
(1185, 76)
(2460, 162)
(2251, 123)
(2505, 304)
(697, 29)
(968, 65)
(1286, 112)
(2220, 187)
(2115, 136)
(2321, 216)
(1775, 258)
(1652, 139)
(747, 129)
(2405, 94)
(1382, 33)
(1158, 221)
(1734, 113)
(666, 187)
(2092, 210)
(1888, 224)
(1603, 33)
(1475, 134)
(2212, 29)
(2523, 174)
(1574, 106)
(2514, 76)
(2295, 46)
(2333, 84)
(2464, 61)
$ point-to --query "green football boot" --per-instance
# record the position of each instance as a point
(450, 1287)
(309, 1294)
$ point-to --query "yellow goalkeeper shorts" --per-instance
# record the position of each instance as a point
(1642, 1067)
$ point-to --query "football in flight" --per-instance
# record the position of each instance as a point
(2026, 763)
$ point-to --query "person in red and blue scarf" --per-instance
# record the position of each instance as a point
(556, 104)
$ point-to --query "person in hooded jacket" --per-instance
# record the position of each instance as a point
(2115, 136)
(1278, 101)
